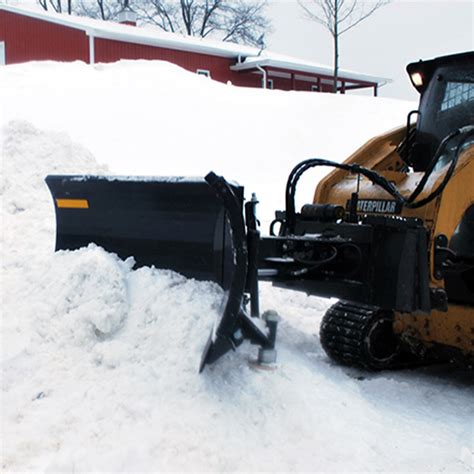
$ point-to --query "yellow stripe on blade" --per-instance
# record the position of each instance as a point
(73, 203)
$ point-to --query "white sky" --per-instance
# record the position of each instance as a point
(382, 45)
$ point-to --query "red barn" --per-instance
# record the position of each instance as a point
(32, 35)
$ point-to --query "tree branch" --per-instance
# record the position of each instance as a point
(232, 20)
(338, 16)
(366, 15)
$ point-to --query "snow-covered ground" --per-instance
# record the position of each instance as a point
(99, 361)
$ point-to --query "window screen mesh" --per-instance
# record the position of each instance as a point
(457, 93)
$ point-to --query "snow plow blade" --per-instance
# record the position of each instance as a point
(171, 223)
(193, 226)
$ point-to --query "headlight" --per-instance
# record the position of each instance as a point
(417, 79)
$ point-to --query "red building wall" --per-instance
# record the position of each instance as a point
(107, 51)
(28, 39)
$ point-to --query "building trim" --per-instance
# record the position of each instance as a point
(246, 57)
(144, 36)
(304, 67)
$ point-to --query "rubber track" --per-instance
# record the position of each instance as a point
(342, 333)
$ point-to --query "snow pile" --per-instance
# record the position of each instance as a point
(99, 361)
(28, 155)
(75, 315)
(153, 118)
(28, 222)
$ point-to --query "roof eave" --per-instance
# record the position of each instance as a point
(131, 37)
(268, 62)
(164, 43)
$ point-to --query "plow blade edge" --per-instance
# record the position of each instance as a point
(193, 226)
(171, 223)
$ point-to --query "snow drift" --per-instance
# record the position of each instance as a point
(153, 118)
(99, 361)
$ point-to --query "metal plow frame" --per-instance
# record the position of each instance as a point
(192, 226)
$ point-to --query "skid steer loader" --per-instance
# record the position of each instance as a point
(390, 233)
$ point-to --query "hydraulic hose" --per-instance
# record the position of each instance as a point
(379, 180)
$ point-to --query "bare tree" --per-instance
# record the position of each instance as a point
(339, 16)
(57, 5)
(101, 9)
(242, 21)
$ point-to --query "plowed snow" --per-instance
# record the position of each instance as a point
(99, 361)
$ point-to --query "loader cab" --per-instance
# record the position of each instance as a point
(446, 85)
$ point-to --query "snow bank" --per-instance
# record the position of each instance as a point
(153, 118)
(78, 314)
(99, 361)
(28, 233)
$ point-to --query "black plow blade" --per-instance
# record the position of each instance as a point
(171, 223)
(193, 226)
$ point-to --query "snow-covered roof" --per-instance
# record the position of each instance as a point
(153, 36)
(279, 61)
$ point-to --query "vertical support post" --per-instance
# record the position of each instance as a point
(293, 82)
(91, 49)
(3, 59)
(343, 87)
(253, 239)
(376, 89)
(319, 84)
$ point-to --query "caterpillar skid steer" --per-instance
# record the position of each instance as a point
(390, 233)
